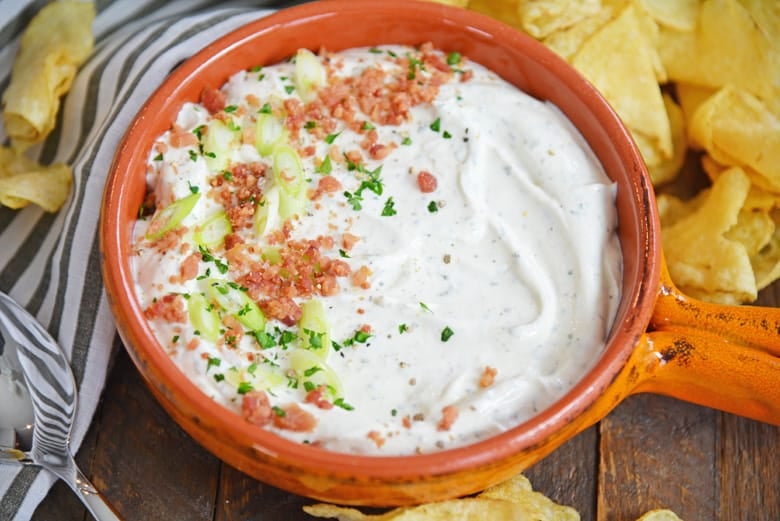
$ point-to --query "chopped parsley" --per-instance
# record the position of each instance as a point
(339, 402)
(219, 377)
(193, 155)
(402, 328)
(265, 340)
(325, 167)
(309, 386)
(446, 333)
(158, 157)
(436, 125)
(208, 257)
(175, 338)
(453, 58)
(310, 124)
(193, 188)
(446, 135)
(227, 175)
(375, 50)
(265, 109)
(354, 200)
(213, 362)
(360, 337)
(312, 370)
(315, 339)
(289, 89)
(389, 210)
(367, 126)
(407, 141)
(281, 413)
(198, 131)
(330, 138)
(230, 108)
(344, 254)
(425, 307)
(433, 207)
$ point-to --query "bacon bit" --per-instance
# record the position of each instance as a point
(361, 311)
(317, 397)
(488, 377)
(232, 240)
(283, 309)
(328, 286)
(247, 135)
(241, 215)
(426, 181)
(325, 241)
(348, 240)
(295, 419)
(161, 147)
(189, 267)
(407, 422)
(193, 344)
(169, 308)
(233, 331)
(327, 184)
(256, 408)
(366, 328)
(339, 268)
(182, 138)
(449, 415)
(377, 438)
(213, 99)
(354, 156)
(170, 240)
(379, 151)
(252, 100)
(360, 278)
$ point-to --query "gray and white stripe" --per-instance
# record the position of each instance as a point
(50, 263)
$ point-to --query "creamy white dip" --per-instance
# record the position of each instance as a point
(490, 296)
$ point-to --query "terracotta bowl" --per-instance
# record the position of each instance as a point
(662, 341)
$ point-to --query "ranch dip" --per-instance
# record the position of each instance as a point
(386, 250)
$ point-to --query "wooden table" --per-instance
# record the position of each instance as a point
(650, 452)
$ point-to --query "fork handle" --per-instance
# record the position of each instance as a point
(91, 498)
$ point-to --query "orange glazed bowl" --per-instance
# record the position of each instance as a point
(661, 340)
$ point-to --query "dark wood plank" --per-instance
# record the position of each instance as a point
(749, 470)
(242, 498)
(143, 462)
(568, 475)
(657, 452)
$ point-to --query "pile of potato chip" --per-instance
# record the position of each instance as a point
(512, 500)
(686, 75)
(57, 41)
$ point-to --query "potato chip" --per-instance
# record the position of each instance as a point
(540, 18)
(504, 10)
(512, 500)
(701, 260)
(659, 515)
(736, 128)
(766, 263)
(679, 14)
(23, 181)
(690, 98)
(727, 47)
(568, 41)
(634, 93)
(457, 3)
(665, 170)
(57, 41)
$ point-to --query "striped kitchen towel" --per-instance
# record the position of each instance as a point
(50, 263)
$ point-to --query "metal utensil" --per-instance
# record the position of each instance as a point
(35, 373)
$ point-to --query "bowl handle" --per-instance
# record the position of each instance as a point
(725, 357)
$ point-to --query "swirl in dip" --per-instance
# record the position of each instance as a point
(385, 250)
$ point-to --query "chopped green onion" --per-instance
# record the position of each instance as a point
(269, 132)
(204, 317)
(309, 74)
(171, 216)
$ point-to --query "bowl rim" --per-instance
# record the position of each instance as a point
(137, 335)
